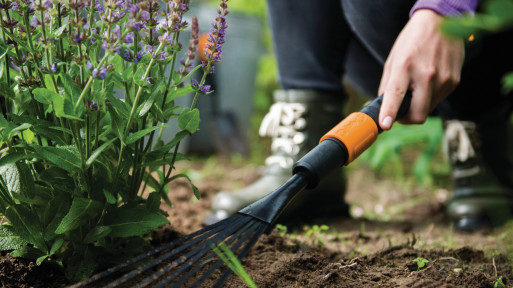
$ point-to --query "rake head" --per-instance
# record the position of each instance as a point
(185, 262)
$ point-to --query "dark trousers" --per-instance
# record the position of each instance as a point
(319, 42)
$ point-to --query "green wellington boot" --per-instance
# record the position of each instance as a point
(482, 174)
(296, 122)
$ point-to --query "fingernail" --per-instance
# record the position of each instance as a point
(387, 122)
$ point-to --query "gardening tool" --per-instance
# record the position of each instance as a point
(176, 263)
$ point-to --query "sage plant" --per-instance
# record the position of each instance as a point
(86, 91)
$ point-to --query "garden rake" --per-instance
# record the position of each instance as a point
(179, 263)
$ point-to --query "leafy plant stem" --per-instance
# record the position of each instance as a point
(7, 74)
(59, 22)
(18, 54)
(45, 40)
(90, 81)
(30, 42)
(171, 165)
(134, 108)
(168, 86)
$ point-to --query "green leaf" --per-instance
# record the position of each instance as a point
(194, 188)
(153, 202)
(139, 74)
(26, 225)
(11, 177)
(189, 120)
(6, 91)
(97, 233)
(133, 221)
(58, 32)
(507, 83)
(62, 157)
(28, 252)
(44, 95)
(502, 9)
(9, 240)
(98, 151)
(22, 127)
(109, 197)
(179, 92)
(57, 244)
(62, 106)
(157, 91)
(71, 90)
(81, 211)
(26, 179)
(127, 73)
(84, 261)
(141, 133)
(16, 39)
(116, 120)
(41, 259)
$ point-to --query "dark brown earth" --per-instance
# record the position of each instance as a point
(392, 225)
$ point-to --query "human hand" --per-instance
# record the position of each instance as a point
(422, 60)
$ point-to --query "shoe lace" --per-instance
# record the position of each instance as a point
(283, 123)
(458, 147)
(457, 143)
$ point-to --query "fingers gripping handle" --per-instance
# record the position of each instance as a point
(346, 141)
(360, 129)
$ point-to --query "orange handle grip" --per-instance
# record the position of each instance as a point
(357, 132)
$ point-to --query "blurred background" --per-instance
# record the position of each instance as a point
(243, 85)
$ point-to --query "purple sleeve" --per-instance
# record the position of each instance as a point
(446, 7)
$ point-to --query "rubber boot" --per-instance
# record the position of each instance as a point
(296, 122)
(482, 173)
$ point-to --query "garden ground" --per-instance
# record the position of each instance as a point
(393, 224)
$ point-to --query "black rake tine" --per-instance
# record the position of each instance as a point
(248, 227)
(240, 240)
(212, 229)
(132, 261)
(243, 253)
(197, 253)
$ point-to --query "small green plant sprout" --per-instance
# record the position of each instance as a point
(227, 256)
(316, 233)
(421, 262)
(282, 229)
(498, 283)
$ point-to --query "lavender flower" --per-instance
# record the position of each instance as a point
(126, 55)
(162, 55)
(204, 88)
(213, 50)
(100, 73)
(48, 4)
(98, 6)
(89, 65)
(54, 67)
(14, 66)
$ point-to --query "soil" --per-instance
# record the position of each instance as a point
(391, 225)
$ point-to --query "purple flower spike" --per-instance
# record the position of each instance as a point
(54, 67)
(126, 55)
(129, 38)
(89, 65)
(100, 73)
(48, 4)
(204, 88)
